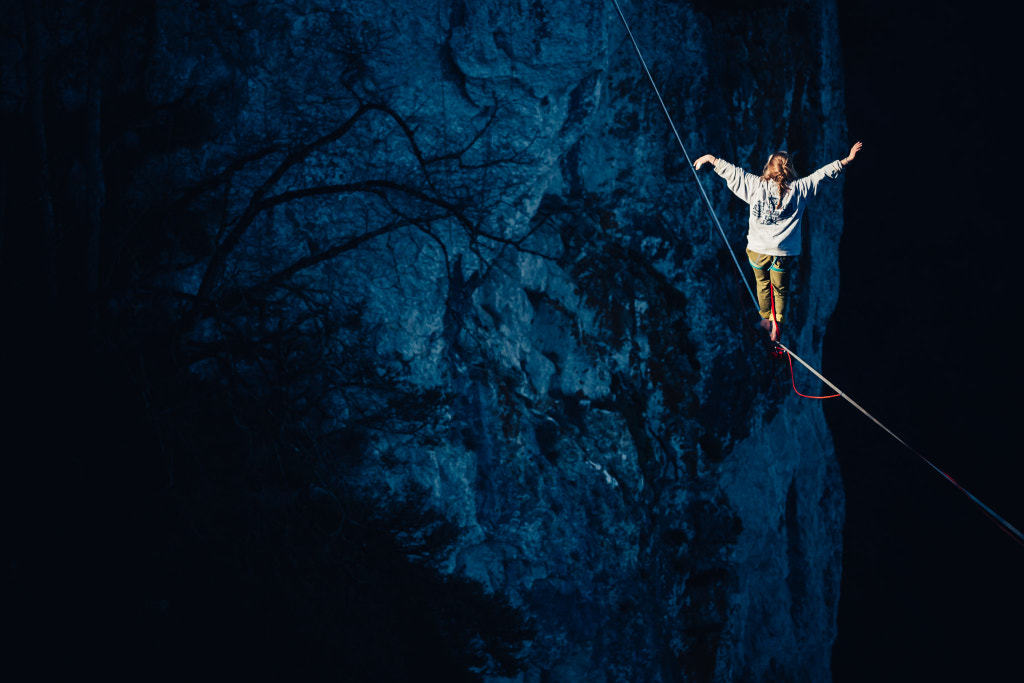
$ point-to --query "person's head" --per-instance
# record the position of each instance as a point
(780, 168)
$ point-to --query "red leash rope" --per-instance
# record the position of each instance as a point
(779, 349)
(789, 357)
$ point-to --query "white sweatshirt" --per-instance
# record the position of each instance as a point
(774, 229)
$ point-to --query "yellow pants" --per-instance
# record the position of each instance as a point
(771, 273)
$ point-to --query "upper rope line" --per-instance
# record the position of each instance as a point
(689, 161)
(1008, 528)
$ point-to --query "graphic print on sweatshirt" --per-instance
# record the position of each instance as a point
(766, 213)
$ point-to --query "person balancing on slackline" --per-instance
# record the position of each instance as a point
(777, 200)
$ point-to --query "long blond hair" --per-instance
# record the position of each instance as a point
(780, 170)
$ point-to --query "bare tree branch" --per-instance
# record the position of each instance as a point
(281, 276)
(215, 268)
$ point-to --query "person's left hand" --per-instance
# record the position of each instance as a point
(853, 152)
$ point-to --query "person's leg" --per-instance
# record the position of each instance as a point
(778, 273)
(760, 263)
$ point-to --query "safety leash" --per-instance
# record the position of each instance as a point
(779, 350)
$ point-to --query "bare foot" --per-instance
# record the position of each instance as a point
(776, 332)
(766, 325)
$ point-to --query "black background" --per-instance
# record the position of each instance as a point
(925, 338)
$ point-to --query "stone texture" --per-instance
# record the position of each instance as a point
(608, 437)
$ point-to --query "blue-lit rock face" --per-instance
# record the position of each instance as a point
(514, 307)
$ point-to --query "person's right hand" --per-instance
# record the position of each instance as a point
(707, 159)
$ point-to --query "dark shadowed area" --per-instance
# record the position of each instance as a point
(924, 338)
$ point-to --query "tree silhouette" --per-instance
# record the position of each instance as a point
(180, 267)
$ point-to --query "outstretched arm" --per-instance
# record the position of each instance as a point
(832, 170)
(853, 153)
(742, 184)
(706, 159)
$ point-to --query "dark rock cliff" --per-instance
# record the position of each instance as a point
(450, 254)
